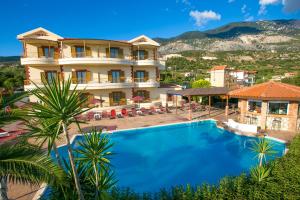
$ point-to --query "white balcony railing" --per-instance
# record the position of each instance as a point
(39, 61)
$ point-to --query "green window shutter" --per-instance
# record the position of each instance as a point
(146, 76)
(73, 52)
(122, 76)
(121, 53)
(40, 52)
(135, 54)
(109, 76)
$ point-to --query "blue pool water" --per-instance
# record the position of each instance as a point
(149, 159)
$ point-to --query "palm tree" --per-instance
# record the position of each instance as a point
(262, 148)
(7, 111)
(95, 152)
(60, 106)
(45, 133)
(24, 163)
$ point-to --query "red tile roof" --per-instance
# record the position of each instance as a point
(223, 67)
(268, 91)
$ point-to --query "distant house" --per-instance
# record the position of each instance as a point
(220, 77)
(244, 77)
(271, 105)
(172, 55)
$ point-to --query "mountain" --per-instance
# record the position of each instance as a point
(258, 35)
(9, 59)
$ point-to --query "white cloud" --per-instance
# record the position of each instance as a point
(243, 9)
(203, 17)
(230, 1)
(249, 18)
(263, 5)
(291, 5)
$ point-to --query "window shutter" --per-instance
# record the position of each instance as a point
(121, 53)
(135, 76)
(135, 54)
(147, 94)
(123, 98)
(43, 76)
(134, 93)
(107, 53)
(88, 51)
(73, 52)
(74, 78)
(88, 76)
(60, 76)
(40, 52)
(146, 76)
(146, 55)
(109, 76)
(157, 74)
(111, 99)
(122, 76)
(56, 53)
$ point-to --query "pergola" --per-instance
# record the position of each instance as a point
(214, 91)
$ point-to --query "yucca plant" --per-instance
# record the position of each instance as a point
(24, 163)
(60, 105)
(94, 151)
(260, 173)
(262, 148)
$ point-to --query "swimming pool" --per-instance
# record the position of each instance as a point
(148, 159)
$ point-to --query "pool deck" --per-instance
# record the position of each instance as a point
(26, 192)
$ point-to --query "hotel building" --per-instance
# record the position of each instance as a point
(110, 71)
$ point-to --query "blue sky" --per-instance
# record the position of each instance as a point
(125, 19)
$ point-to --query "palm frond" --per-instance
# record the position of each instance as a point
(23, 164)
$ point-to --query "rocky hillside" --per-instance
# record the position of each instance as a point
(259, 35)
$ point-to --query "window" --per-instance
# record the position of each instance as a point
(141, 54)
(143, 93)
(79, 51)
(278, 108)
(140, 76)
(117, 96)
(81, 77)
(114, 52)
(48, 52)
(254, 106)
(51, 75)
(115, 74)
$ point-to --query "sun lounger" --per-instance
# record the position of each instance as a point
(119, 115)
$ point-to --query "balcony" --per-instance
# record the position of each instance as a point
(39, 61)
(149, 62)
(147, 84)
(83, 58)
(97, 85)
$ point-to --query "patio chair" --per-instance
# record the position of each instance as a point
(113, 114)
(124, 112)
(144, 111)
(132, 113)
(90, 116)
(105, 114)
(97, 116)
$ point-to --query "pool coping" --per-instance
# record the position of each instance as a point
(43, 187)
